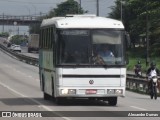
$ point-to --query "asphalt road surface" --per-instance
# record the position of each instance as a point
(20, 91)
(24, 51)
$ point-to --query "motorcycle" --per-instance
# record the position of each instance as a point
(138, 72)
(153, 87)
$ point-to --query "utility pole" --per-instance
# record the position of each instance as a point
(121, 10)
(28, 10)
(34, 8)
(79, 6)
(80, 3)
(3, 24)
(97, 7)
(18, 30)
(147, 37)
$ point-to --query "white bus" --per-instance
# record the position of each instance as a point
(68, 62)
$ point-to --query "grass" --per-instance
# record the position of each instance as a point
(139, 54)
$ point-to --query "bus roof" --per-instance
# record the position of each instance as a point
(82, 21)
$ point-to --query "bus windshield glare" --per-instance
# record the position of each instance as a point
(91, 47)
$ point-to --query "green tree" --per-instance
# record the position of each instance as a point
(35, 28)
(135, 14)
(4, 34)
(18, 39)
(67, 7)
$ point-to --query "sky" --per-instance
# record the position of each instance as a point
(35, 7)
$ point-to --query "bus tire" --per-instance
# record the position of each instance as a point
(29, 50)
(59, 100)
(151, 95)
(52, 86)
(53, 96)
(46, 96)
(42, 82)
(112, 101)
(92, 98)
(155, 93)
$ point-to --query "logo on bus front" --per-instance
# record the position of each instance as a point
(91, 82)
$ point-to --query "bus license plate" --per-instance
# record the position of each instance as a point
(91, 91)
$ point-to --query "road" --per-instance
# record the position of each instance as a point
(20, 91)
(25, 52)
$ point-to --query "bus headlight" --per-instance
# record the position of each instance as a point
(72, 91)
(64, 91)
(110, 91)
(115, 91)
(68, 91)
(118, 91)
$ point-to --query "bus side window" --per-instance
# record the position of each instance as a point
(127, 43)
(127, 40)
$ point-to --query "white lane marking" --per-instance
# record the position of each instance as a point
(39, 103)
(29, 76)
(37, 80)
(19, 71)
(24, 74)
(138, 108)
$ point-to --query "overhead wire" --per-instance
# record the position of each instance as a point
(16, 1)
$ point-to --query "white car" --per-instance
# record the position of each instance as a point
(16, 48)
(11, 47)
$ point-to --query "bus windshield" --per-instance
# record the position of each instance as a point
(90, 47)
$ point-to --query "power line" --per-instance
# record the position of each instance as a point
(94, 1)
(28, 2)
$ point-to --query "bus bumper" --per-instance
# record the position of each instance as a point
(93, 92)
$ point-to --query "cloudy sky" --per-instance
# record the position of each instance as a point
(32, 7)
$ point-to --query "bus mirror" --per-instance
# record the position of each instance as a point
(127, 59)
(127, 39)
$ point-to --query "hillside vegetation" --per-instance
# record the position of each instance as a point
(139, 53)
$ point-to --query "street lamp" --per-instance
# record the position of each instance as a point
(28, 10)
(79, 6)
(121, 9)
(15, 24)
(3, 23)
(34, 8)
(97, 7)
(80, 3)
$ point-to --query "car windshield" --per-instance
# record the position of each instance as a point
(90, 47)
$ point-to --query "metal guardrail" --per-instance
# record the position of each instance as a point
(9, 17)
(26, 59)
(19, 20)
(138, 84)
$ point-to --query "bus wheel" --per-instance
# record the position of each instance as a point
(29, 50)
(91, 98)
(46, 96)
(42, 82)
(60, 100)
(112, 101)
(53, 89)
